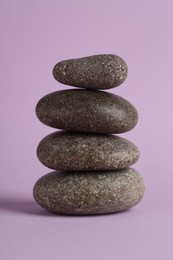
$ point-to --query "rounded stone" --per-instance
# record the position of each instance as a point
(87, 193)
(103, 71)
(83, 110)
(67, 151)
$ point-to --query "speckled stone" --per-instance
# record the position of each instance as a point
(67, 151)
(103, 71)
(83, 110)
(87, 193)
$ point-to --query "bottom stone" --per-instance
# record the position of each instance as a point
(87, 193)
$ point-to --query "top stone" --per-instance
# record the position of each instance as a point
(102, 71)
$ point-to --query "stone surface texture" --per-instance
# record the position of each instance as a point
(67, 151)
(103, 71)
(87, 111)
(87, 193)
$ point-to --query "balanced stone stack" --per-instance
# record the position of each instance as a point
(92, 173)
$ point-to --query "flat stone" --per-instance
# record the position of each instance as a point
(67, 151)
(94, 72)
(91, 111)
(87, 193)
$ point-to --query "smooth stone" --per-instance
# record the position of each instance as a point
(87, 193)
(103, 71)
(67, 151)
(91, 111)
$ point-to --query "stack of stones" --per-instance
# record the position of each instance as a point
(92, 173)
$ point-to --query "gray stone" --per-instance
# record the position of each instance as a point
(91, 111)
(87, 193)
(67, 151)
(103, 71)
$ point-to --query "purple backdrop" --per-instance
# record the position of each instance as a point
(35, 35)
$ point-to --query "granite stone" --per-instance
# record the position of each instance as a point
(87, 193)
(67, 151)
(83, 110)
(103, 71)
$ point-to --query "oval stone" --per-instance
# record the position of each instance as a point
(87, 193)
(103, 71)
(67, 151)
(91, 111)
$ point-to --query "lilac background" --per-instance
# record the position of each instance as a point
(35, 35)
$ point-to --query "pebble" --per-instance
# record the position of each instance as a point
(87, 193)
(103, 71)
(83, 110)
(67, 151)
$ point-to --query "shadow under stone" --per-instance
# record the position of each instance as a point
(29, 206)
(21, 205)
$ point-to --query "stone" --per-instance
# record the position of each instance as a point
(87, 193)
(83, 110)
(67, 151)
(103, 71)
